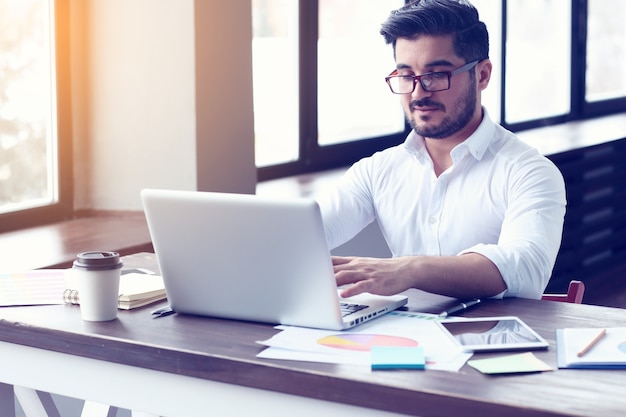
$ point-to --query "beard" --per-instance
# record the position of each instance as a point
(453, 122)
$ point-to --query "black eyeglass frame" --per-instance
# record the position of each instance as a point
(416, 78)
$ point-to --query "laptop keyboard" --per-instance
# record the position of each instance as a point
(349, 308)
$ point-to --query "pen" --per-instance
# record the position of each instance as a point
(592, 343)
(461, 307)
(162, 312)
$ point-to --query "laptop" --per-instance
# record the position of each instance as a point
(246, 257)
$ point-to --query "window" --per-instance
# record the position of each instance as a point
(319, 67)
(31, 178)
(351, 56)
(491, 14)
(319, 91)
(606, 50)
(537, 60)
(275, 62)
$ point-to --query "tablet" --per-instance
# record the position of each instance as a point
(487, 334)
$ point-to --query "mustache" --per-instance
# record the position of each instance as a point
(426, 102)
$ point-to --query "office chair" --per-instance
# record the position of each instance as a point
(575, 293)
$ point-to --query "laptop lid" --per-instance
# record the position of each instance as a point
(247, 257)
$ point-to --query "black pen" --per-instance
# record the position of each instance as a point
(162, 312)
(461, 307)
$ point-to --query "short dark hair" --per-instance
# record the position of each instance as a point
(458, 18)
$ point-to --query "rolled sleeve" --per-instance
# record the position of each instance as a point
(531, 235)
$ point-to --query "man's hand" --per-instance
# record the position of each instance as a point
(383, 276)
(470, 275)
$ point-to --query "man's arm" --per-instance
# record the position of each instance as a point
(470, 275)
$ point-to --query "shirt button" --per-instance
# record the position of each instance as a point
(432, 220)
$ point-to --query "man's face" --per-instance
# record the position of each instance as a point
(441, 114)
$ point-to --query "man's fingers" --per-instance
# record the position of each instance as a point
(355, 289)
(341, 260)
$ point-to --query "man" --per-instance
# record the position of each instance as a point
(467, 209)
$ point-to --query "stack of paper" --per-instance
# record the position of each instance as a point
(393, 330)
(37, 287)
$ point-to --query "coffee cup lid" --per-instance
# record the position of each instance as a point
(98, 260)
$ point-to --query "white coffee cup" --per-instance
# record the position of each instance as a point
(97, 276)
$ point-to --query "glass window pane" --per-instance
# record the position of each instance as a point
(354, 102)
(28, 172)
(537, 59)
(606, 50)
(490, 12)
(275, 81)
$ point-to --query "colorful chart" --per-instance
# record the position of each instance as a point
(363, 342)
(622, 347)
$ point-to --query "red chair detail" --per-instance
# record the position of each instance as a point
(575, 293)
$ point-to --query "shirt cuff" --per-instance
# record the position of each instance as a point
(493, 254)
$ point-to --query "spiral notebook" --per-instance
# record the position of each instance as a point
(58, 286)
(136, 290)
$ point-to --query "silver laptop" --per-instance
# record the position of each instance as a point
(246, 257)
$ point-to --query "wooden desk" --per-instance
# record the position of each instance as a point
(184, 365)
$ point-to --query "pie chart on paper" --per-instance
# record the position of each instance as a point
(364, 342)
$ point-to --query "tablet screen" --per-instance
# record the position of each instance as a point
(493, 333)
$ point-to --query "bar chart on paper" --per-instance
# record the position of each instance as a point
(364, 342)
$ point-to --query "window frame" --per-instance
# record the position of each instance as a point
(63, 208)
(580, 109)
(314, 158)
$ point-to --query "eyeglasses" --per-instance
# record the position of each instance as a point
(431, 82)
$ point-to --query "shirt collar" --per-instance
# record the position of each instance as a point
(479, 141)
(476, 144)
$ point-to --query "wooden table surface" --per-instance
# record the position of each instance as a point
(225, 351)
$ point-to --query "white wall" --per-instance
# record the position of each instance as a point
(135, 94)
(153, 108)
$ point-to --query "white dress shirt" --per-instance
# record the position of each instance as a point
(500, 198)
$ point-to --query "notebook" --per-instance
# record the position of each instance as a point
(246, 257)
(608, 351)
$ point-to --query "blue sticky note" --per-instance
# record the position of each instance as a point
(387, 357)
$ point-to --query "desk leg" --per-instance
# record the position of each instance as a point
(36, 403)
(140, 414)
(92, 409)
(7, 401)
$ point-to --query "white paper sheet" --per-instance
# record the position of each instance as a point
(352, 346)
(36, 287)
